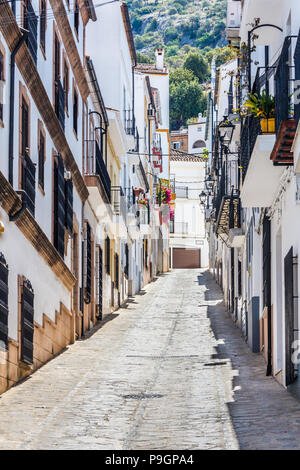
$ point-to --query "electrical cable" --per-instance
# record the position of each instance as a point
(50, 14)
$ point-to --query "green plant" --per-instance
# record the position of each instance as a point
(261, 106)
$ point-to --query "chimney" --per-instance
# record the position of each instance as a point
(159, 54)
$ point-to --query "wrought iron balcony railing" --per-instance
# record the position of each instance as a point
(129, 122)
(250, 130)
(118, 201)
(95, 165)
(180, 228)
(142, 170)
(182, 192)
(226, 202)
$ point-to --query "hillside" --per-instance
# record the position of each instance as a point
(176, 23)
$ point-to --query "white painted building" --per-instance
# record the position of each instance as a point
(196, 136)
(67, 176)
(255, 257)
(188, 241)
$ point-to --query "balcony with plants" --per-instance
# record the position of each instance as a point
(268, 130)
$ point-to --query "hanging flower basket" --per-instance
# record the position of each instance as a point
(143, 202)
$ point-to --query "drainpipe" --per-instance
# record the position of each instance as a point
(133, 101)
(12, 107)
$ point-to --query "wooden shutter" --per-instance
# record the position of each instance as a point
(87, 264)
(69, 206)
(3, 303)
(59, 206)
(99, 284)
(126, 269)
(107, 254)
(28, 182)
(2, 79)
(41, 175)
(289, 316)
(117, 270)
(27, 325)
(32, 25)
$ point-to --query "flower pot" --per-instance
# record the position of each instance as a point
(268, 126)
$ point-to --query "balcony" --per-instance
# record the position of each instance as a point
(182, 192)
(296, 144)
(96, 174)
(118, 201)
(179, 228)
(285, 107)
(233, 22)
(143, 214)
(226, 201)
(129, 122)
(143, 175)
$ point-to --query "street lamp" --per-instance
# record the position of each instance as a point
(209, 182)
(226, 129)
(202, 197)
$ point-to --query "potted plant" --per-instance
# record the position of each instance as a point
(143, 202)
(263, 107)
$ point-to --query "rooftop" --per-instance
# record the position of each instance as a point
(178, 156)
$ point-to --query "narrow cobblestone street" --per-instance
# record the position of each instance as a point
(169, 371)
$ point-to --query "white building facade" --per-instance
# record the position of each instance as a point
(254, 236)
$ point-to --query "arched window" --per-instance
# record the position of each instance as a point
(199, 144)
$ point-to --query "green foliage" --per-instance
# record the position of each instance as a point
(198, 23)
(198, 65)
(142, 58)
(262, 106)
(192, 32)
(186, 97)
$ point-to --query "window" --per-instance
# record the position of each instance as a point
(43, 20)
(116, 271)
(176, 145)
(199, 144)
(3, 303)
(27, 319)
(87, 264)
(42, 152)
(69, 205)
(107, 254)
(59, 206)
(24, 128)
(27, 167)
(66, 85)
(75, 111)
(76, 16)
(99, 283)
(2, 78)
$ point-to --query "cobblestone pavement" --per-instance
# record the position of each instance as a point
(170, 371)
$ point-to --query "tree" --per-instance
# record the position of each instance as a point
(198, 65)
(143, 58)
(186, 97)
